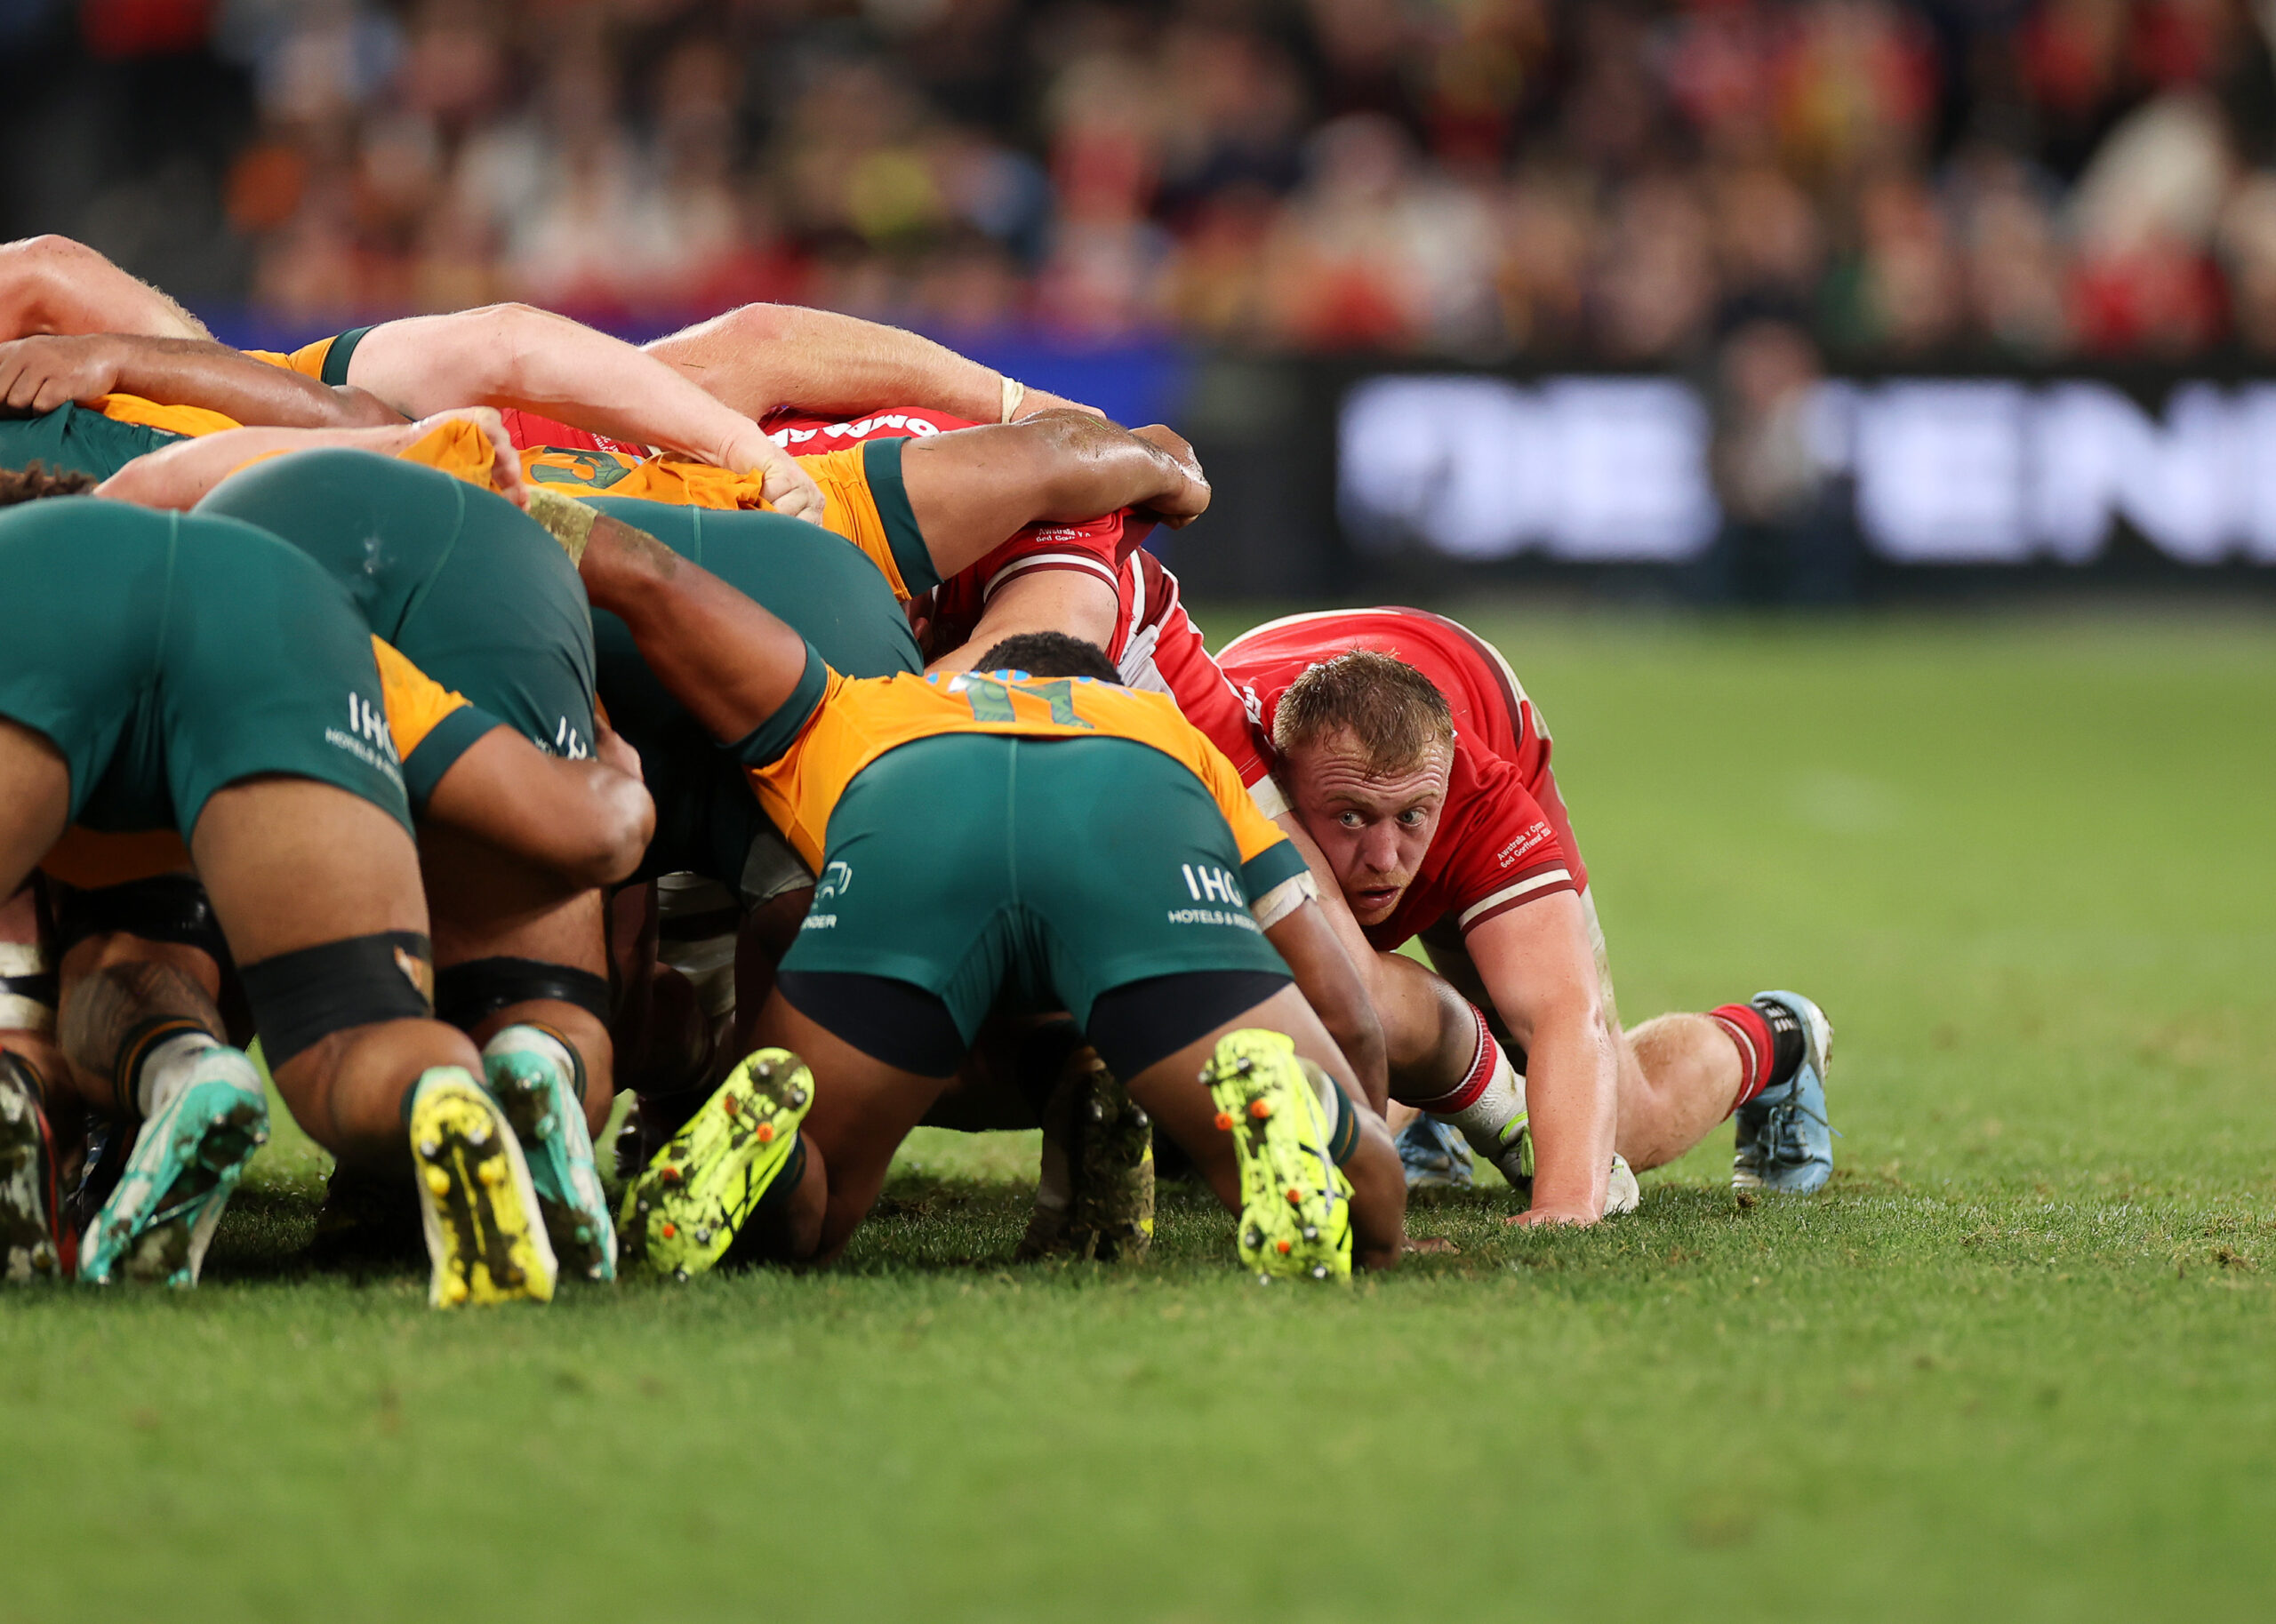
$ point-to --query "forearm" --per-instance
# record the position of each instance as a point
(762, 356)
(1333, 986)
(521, 357)
(716, 651)
(1333, 908)
(584, 821)
(180, 475)
(193, 373)
(1096, 468)
(1571, 1098)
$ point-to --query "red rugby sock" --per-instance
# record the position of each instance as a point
(1749, 1034)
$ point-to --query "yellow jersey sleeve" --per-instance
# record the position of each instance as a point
(191, 420)
(798, 778)
(431, 725)
(1256, 833)
(309, 358)
(457, 448)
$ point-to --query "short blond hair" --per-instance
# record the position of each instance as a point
(1391, 708)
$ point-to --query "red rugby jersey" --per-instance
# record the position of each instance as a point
(1505, 838)
(1095, 546)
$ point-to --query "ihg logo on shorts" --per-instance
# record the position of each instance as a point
(1207, 883)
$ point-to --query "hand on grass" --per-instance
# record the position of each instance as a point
(1578, 1217)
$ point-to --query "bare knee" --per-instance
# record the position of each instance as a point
(351, 1090)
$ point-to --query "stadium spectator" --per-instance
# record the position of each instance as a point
(1545, 178)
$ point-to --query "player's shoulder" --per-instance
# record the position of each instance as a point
(1490, 817)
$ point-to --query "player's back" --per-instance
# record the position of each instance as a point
(855, 722)
(815, 581)
(468, 586)
(1491, 709)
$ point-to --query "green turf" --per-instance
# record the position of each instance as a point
(2015, 1365)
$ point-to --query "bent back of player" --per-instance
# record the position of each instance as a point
(1073, 804)
(238, 703)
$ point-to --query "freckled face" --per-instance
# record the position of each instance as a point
(1373, 827)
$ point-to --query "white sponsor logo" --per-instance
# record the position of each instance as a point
(819, 921)
(1211, 915)
(567, 743)
(836, 880)
(366, 737)
(1207, 884)
(370, 723)
(917, 427)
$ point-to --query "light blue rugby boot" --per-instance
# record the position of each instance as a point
(1786, 1142)
(1435, 1155)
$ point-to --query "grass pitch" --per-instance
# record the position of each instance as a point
(2015, 1364)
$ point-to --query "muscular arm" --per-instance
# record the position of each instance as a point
(519, 355)
(762, 356)
(1071, 601)
(586, 820)
(1540, 970)
(39, 375)
(1429, 1036)
(716, 652)
(53, 285)
(972, 489)
(180, 475)
(1332, 985)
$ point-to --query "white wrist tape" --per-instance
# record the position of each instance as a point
(1014, 392)
(1284, 899)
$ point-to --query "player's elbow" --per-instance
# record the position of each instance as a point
(150, 481)
(37, 276)
(758, 324)
(619, 817)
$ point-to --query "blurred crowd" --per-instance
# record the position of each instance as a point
(1624, 182)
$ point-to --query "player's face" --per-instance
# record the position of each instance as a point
(1374, 827)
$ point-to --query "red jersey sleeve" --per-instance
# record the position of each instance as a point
(1159, 648)
(1495, 850)
(1505, 853)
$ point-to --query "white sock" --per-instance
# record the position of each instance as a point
(165, 1071)
(1492, 1122)
(534, 1040)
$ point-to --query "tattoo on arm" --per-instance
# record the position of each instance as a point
(109, 1019)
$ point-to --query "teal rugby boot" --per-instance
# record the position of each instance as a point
(158, 1222)
(1785, 1142)
(524, 1071)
